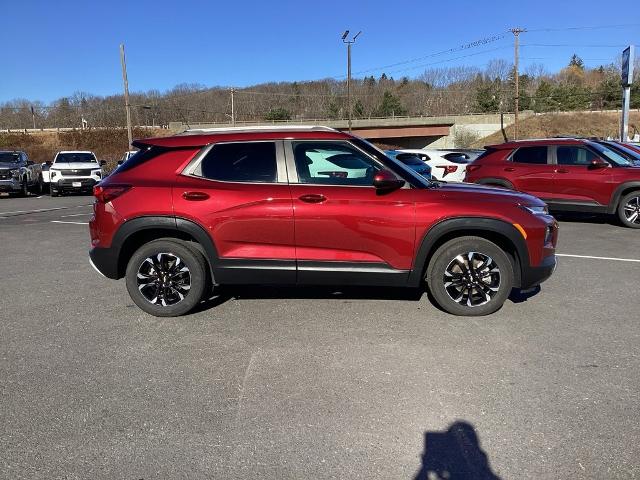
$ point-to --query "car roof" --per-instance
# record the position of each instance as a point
(535, 142)
(198, 138)
(76, 151)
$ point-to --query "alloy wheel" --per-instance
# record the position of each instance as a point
(472, 279)
(632, 210)
(164, 279)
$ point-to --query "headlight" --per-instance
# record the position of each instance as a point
(97, 173)
(536, 210)
(53, 173)
(15, 173)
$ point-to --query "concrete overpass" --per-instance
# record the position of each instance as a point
(408, 132)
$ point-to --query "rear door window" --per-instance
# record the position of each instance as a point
(530, 155)
(240, 162)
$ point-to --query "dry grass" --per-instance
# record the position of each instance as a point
(582, 124)
(107, 144)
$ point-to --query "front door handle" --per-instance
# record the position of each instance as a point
(561, 170)
(509, 169)
(195, 196)
(313, 198)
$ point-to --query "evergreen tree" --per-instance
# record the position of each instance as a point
(390, 106)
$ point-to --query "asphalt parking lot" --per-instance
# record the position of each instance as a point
(307, 383)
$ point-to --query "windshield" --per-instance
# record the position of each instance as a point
(79, 157)
(371, 149)
(626, 152)
(409, 159)
(9, 157)
(611, 155)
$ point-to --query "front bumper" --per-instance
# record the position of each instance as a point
(13, 185)
(533, 276)
(105, 261)
(74, 184)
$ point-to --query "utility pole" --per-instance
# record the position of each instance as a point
(627, 80)
(33, 117)
(516, 33)
(233, 108)
(123, 62)
(349, 42)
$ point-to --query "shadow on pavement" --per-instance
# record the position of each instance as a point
(310, 292)
(593, 218)
(454, 454)
(519, 296)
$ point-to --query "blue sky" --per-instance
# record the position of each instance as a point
(55, 48)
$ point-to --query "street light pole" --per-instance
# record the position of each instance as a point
(349, 42)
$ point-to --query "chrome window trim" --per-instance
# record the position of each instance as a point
(193, 167)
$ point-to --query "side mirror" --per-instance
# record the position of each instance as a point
(598, 163)
(385, 180)
(120, 162)
(102, 163)
(48, 162)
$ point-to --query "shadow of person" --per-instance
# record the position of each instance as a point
(454, 454)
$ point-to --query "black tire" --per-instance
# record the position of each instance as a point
(53, 192)
(24, 188)
(629, 210)
(37, 188)
(168, 249)
(481, 291)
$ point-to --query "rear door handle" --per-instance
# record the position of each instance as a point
(313, 198)
(509, 169)
(561, 170)
(195, 196)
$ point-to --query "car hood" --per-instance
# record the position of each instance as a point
(75, 166)
(9, 165)
(475, 193)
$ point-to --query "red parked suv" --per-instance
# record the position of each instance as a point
(308, 205)
(569, 174)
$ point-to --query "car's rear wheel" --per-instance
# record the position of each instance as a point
(470, 276)
(165, 278)
(629, 210)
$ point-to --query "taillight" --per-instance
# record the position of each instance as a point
(107, 193)
(447, 169)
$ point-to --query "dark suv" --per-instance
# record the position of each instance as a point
(308, 205)
(569, 174)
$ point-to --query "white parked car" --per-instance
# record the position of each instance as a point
(73, 171)
(448, 165)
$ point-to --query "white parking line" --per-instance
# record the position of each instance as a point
(75, 223)
(21, 212)
(75, 215)
(599, 258)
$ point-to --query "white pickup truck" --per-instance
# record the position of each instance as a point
(73, 171)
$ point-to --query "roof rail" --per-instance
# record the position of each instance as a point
(260, 128)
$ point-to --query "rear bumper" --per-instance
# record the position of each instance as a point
(534, 276)
(105, 261)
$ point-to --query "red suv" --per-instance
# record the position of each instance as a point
(308, 205)
(568, 174)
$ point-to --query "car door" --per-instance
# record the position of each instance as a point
(529, 169)
(238, 192)
(576, 180)
(346, 229)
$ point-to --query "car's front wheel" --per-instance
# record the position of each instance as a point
(470, 276)
(629, 210)
(165, 278)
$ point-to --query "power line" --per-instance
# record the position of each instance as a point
(474, 44)
(589, 27)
